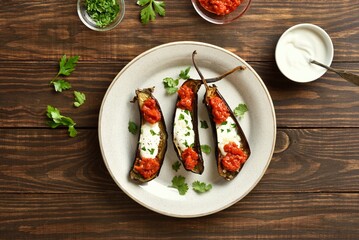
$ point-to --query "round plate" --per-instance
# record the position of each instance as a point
(118, 145)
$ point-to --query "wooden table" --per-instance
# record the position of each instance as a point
(56, 187)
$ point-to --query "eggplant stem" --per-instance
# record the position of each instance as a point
(198, 71)
(211, 80)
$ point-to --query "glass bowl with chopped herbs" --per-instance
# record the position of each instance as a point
(101, 15)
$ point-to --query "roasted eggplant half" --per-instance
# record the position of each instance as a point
(185, 127)
(152, 141)
(232, 148)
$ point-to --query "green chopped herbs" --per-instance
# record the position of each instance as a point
(150, 9)
(204, 124)
(56, 119)
(66, 67)
(152, 150)
(103, 12)
(80, 98)
(201, 187)
(206, 149)
(171, 84)
(179, 182)
(184, 73)
(181, 117)
(176, 166)
(133, 128)
(153, 133)
(240, 110)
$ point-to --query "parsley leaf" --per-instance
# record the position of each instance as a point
(184, 73)
(67, 65)
(132, 127)
(204, 124)
(170, 85)
(240, 110)
(56, 119)
(151, 7)
(179, 183)
(201, 187)
(60, 85)
(206, 149)
(103, 12)
(80, 98)
(176, 166)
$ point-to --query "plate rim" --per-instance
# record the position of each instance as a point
(149, 51)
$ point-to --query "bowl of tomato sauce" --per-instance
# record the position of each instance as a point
(221, 11)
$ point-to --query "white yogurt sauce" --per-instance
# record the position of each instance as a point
(226, 133)
(295, 49)
(183, 134)
(149, 140)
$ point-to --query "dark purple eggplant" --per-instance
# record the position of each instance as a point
(185, 126)
(157, 134)
(179, 140)
(212, 91)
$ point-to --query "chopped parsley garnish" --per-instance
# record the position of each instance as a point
(179, 182)
(153, 133)
(228, 130)
(143, 149)
(56, 119)
(132, 127)
(151, 7)
(206, 149)
(224, 123)
(184, 73)
(187, 112)
(80, 98)
(187, 134)
(201, 187)
(204, 124)
(181, 117)
(233, 125)
(240, 110)
(176, 166)
(186, 144)
(170, 85)
(152, 150)
(103, 12)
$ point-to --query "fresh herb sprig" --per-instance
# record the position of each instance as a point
(171, 84)
(66, 67)
(201, 187)
(56, 119)
(80, 98)
(179, 182)
(150, 9)
(240, 110)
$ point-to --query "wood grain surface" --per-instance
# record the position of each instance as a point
(56, 187)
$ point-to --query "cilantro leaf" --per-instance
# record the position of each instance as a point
(179, 183)
(170, 85)
(184, 73)
(151, 7)
(132, 127)
(56, 119)
(201, 187)
(240, 110)
(206, 149)
(67, 65)
(80, 98)
(176, 166)
(204, 124)
(60, 85)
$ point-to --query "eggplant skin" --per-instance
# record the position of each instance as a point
(195, 86)
(228, 175)
(141, 96)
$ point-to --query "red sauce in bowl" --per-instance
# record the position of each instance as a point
(220, 7)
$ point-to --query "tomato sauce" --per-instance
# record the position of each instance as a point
(150, 111)
(190, 158)
(220, 111)
(220, 7)
(185, 94)
(147, 167)
(234, 158)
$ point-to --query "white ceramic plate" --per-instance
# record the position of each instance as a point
(118, 145)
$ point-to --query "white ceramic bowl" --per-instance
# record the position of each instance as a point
(297, 46)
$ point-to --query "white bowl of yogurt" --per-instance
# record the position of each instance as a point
(297, 46)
